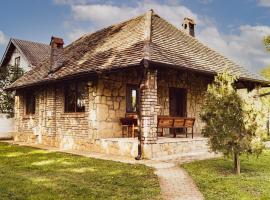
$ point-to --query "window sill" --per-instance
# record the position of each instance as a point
(29, 116)
(74, 115)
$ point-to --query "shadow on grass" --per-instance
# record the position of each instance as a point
(29, 173)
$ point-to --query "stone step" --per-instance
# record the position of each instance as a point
(175, 146)
(188, 157)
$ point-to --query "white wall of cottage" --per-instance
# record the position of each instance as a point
(7, 124)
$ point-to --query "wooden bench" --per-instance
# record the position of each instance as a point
(175, 123)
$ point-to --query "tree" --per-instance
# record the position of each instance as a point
(233, 124)
(8, 75)
(265, 72)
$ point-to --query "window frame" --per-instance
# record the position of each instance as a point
(29, 99)
(16, 62)
(129, 88)
(66, 87)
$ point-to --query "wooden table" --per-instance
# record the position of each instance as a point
(128, 123)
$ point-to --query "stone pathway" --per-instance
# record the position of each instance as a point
(175, 182)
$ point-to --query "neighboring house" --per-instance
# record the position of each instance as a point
(144, 65)
(26, 55)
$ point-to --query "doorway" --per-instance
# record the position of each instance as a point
(177, 104)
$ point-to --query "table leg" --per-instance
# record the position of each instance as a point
(132, 131)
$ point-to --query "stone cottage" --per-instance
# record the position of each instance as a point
(76, 98)
(25, 55)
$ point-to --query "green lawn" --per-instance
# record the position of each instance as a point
(215, 179)
(29, 173)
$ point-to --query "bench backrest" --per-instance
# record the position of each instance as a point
(179, 122)
(165, 123)
(189, 122)
(175, 122)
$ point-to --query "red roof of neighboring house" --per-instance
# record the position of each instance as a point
(33, 52)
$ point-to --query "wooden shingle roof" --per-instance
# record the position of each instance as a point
(127, 44)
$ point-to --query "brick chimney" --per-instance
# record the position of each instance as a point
(57, 45)
(189, 26)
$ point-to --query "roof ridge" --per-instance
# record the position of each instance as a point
(103, 28)
(147, 34)
(39, 43)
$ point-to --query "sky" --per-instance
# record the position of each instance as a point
(234, 28)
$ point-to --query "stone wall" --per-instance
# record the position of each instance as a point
(50, 125)
(105, 105)
(196, 86)
(108, 102)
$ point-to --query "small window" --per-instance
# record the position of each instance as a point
(30, 103)
(132, 98)
(75, 96)
(17, 62)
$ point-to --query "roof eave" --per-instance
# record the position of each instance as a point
(5, 53)
(50, 81)
(213, 73)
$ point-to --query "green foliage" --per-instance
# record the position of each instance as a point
(216, 181)
(266, 41)
(8, 75)
(266, 99)
(265, 72)
(234, 124)
(29, 173)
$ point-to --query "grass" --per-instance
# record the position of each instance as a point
(216, 181)
(29, 173)
(267, 138)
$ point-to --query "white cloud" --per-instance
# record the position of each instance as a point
(76, 34)
(264, 3)
(246, 47)
(3, 38)
(100, 15)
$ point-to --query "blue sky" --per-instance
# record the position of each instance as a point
(234, 28)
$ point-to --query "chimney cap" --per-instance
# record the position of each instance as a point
(190, 20)
(57, 40)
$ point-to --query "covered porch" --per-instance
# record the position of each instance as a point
(164, 103)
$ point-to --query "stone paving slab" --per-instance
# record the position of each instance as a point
(175, 183)
(188, 157)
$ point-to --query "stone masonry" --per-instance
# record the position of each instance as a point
(105, 105)
(149, 109)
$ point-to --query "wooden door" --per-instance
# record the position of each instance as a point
(178, 102)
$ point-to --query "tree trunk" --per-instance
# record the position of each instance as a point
(236, 163)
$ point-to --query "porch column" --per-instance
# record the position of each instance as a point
(149, 108)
